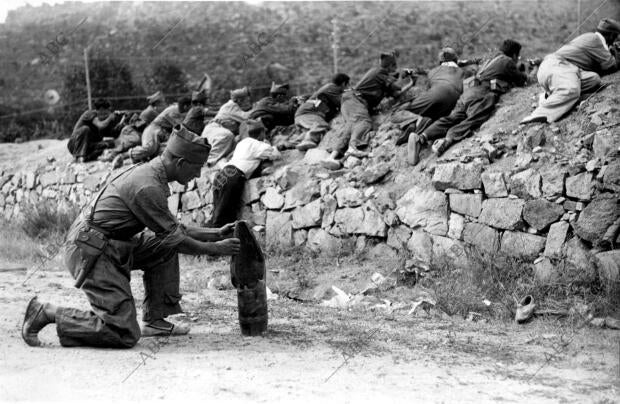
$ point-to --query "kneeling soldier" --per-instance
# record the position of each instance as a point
(129, 226)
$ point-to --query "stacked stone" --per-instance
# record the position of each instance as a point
(62, 187)
(555, 217)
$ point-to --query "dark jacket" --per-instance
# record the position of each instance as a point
(324, 102)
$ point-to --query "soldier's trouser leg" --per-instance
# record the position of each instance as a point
(79, 142)
(590, 81)
(315, 126)
(111, 322)
(479, 109)
(228, 187)
(439, 128)
(161, 277)
(562, 84)
(356, 114)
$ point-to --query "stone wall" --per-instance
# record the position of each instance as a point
(550, 216)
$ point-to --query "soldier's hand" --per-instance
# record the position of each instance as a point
(227, 230)
(230, 246)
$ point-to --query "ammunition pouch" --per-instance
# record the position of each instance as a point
(92, 243)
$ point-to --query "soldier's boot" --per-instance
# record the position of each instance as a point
(36, 318)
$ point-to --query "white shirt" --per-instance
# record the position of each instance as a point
(602, 38)
(249, 153)
(231, 110)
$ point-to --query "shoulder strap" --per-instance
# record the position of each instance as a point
(92, 207)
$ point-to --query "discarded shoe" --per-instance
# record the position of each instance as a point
(163, 328)
(306, 145)
(34, 321)
(525, 309)
(331, 164)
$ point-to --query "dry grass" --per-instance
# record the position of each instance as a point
(47, 221)
(504, 280)
(37, 234)
(16, 246)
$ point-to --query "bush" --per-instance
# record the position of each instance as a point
(168, 78)
(46, 221)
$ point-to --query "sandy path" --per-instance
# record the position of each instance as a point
(406, 359)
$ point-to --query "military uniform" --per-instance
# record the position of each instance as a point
(133, 202)
(86, 140)
(570, 71)
(221, 131)
(131, 134)
(314, 114)
(229, 182)
(273, 113)
(358, 103)
(446, 86)
(477, 102)
(156, 134)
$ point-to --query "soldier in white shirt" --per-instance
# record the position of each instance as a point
(229, 181)
(221, 131)
(575, 69)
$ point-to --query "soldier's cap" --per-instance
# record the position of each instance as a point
(609, 25)
(388, 58)
(447, 54)
(239, 93)
(199, 96)
(157, 97)
(279, 88)
(188, 145)
(195, 119)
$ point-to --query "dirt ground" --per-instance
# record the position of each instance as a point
(17, 156)
(309, 353)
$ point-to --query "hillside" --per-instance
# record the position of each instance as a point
(234, 42)
(539, 203)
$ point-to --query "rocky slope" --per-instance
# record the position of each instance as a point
(548, 194)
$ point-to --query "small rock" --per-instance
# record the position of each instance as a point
(592, 165)
(519, 244)
(348, 197)
(456, 225)
(540, 213)
(555, 239)
(483, 237)
(526, 184)
(545, 271)
(502, 213)
(608, 265)
(272, 199)
(315, 156)
(494, 184)
(553, 182)
(424, 208)
(309, 215)
(457, 175)
(580, 186)
(375, 173)
(596, 218)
